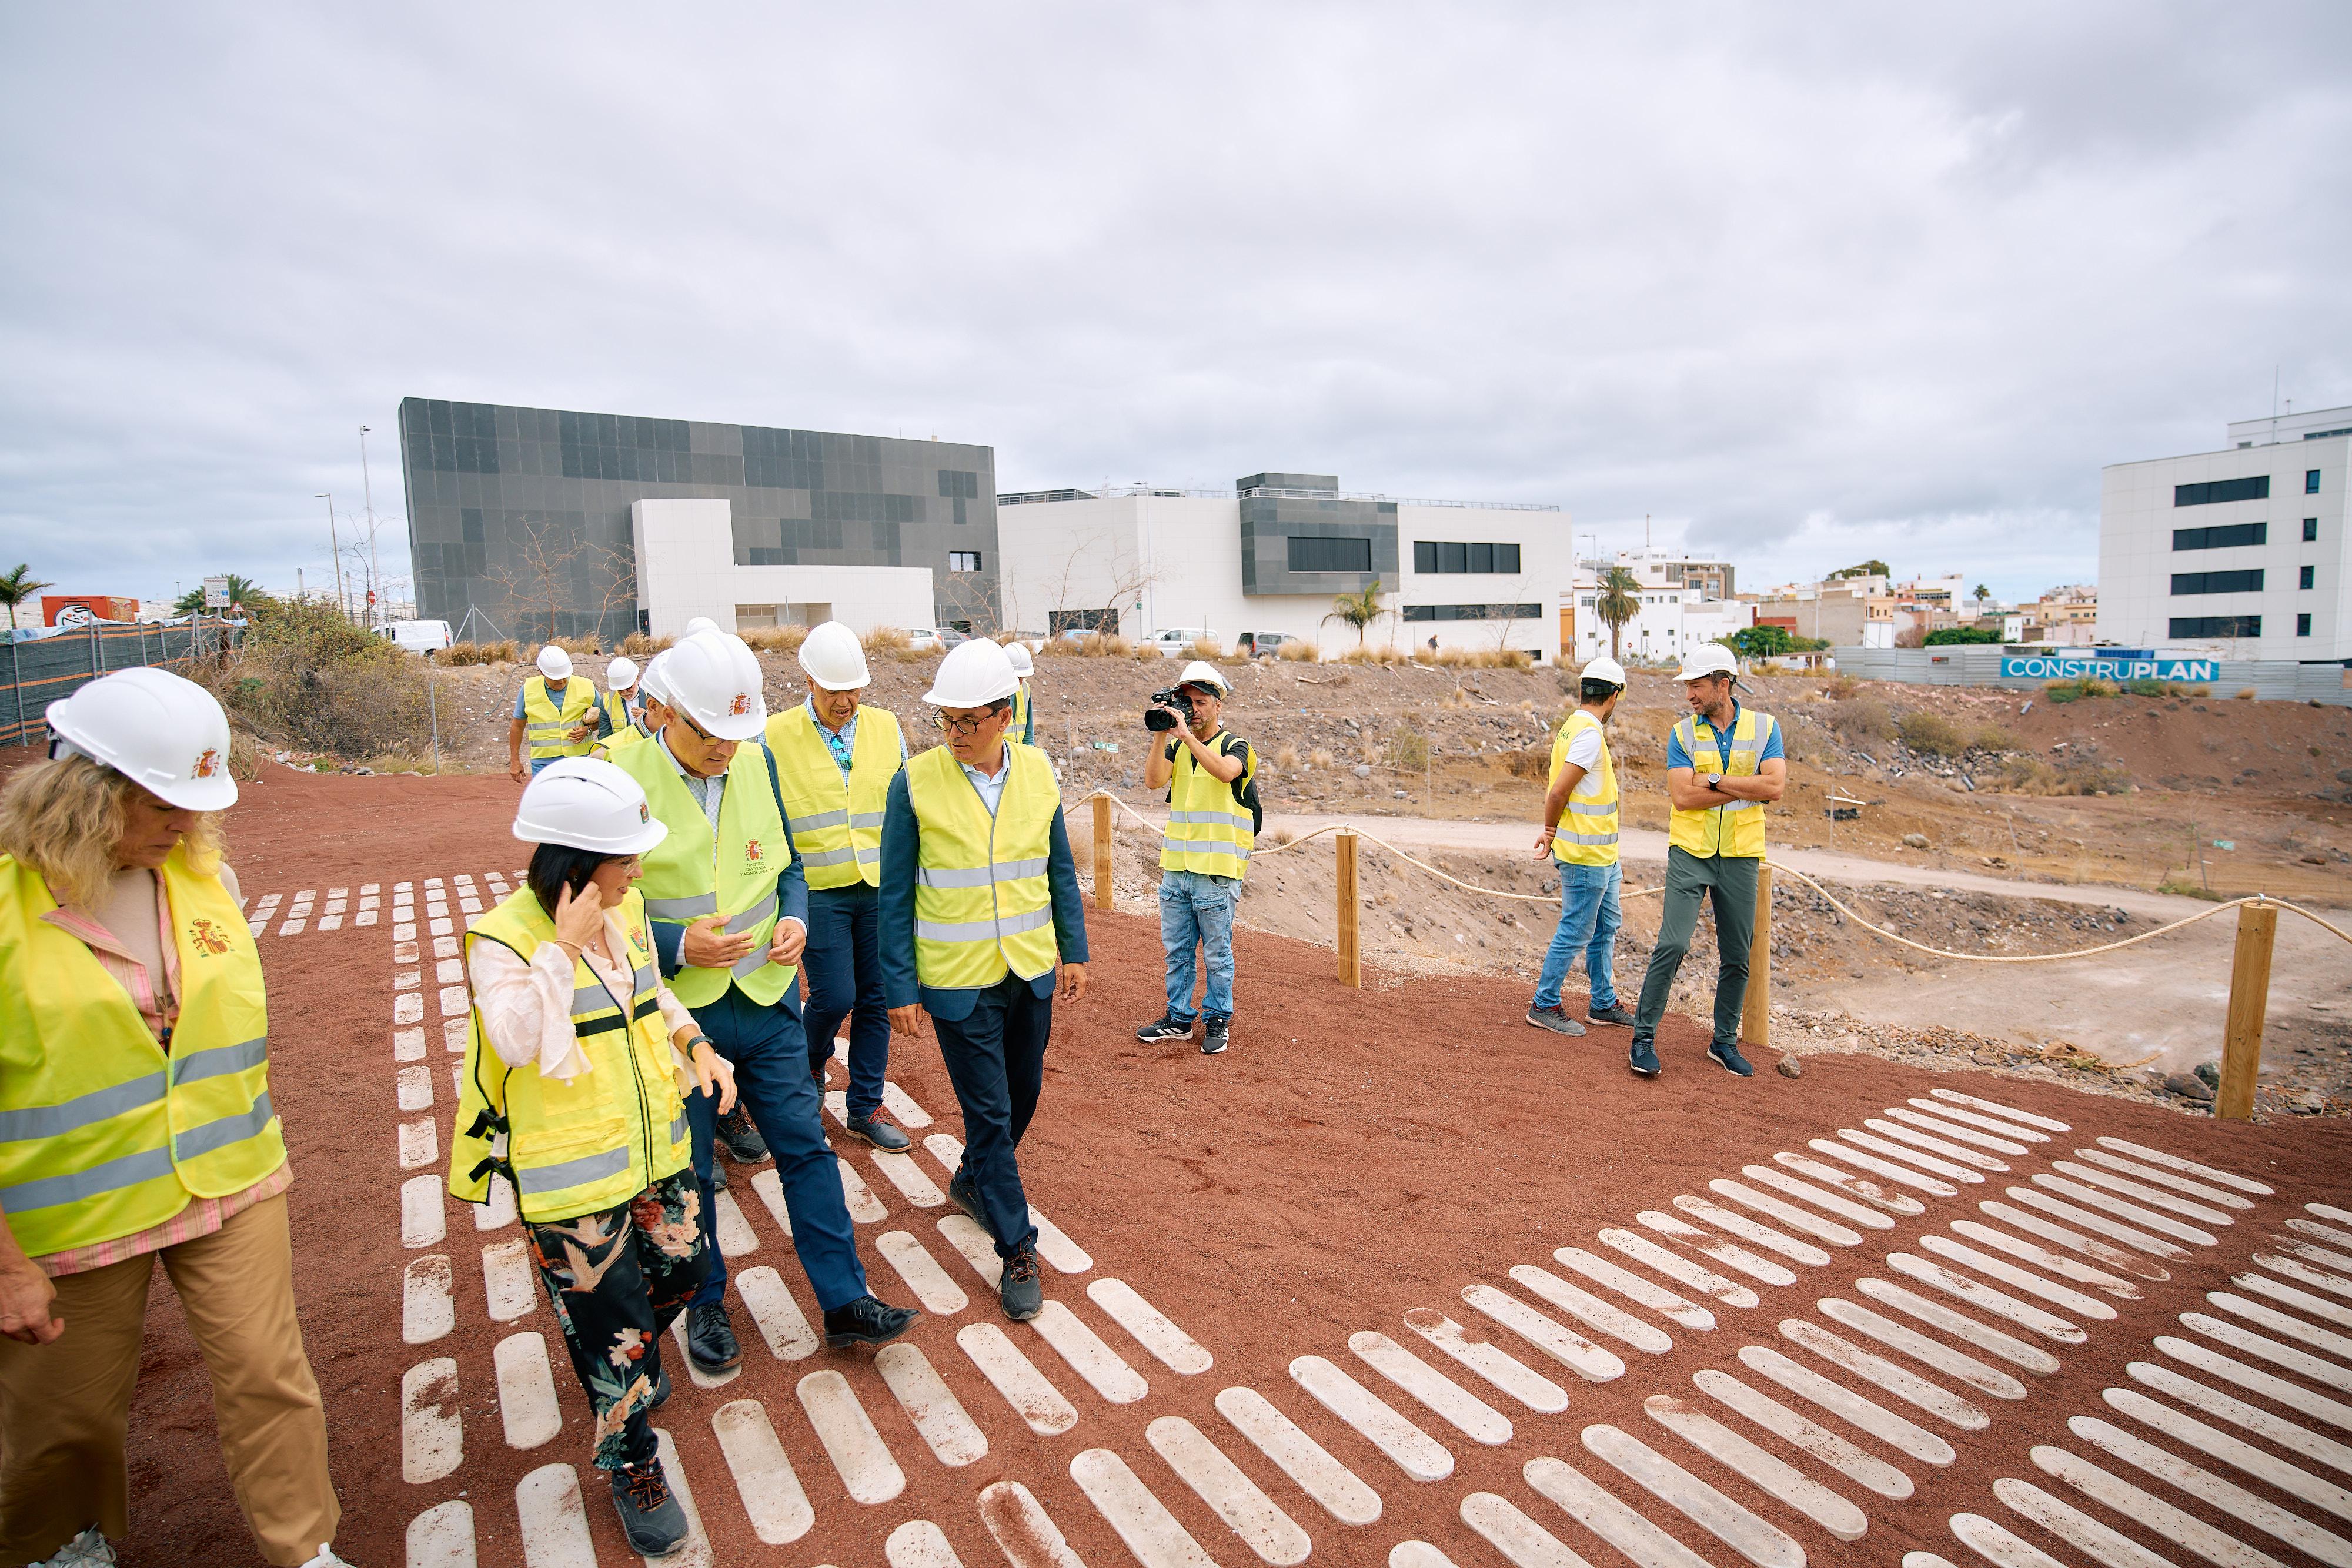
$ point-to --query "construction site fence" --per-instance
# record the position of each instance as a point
(40, 671)
(1980, 664)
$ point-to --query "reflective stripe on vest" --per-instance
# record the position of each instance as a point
(1208, 829)
(984, 905)
(1586, 833)
(101, 1134)
(547, 729)
(693, 872)
(1735, 831)
(613, 1131)
(836, 822)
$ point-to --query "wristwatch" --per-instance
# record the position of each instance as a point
(700, 1039)
(1715, 781)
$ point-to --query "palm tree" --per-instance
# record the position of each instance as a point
(17, 586)
(241, 590)
(1618, 601)
(1980, 594)
(1357, 610)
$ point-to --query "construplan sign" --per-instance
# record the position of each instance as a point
(2045, 667)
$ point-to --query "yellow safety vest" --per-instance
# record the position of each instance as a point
(622, 739)
(1588, 828)
(617, 706)
(547, 728)
(836, 822)
(1209, 829)
(1734, 832)
(983, 903)
(1021, 728)
(103, 1133)
(598, 1141)
(693, 872)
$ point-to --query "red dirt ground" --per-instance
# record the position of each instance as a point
(1358, 1154)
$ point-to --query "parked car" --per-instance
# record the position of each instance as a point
(1076, 636)
(950, 636)
(1262, 645)
(1176, 642)
(426, 637)
(923, 640)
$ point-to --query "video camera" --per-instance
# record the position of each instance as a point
(1174, 697)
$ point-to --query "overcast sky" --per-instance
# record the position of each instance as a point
(1805, 284)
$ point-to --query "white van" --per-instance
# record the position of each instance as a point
(416, 636)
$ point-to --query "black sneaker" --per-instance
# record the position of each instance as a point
(866, 1320)
(741, 1139)
(1643, 1058)
(1163, 1028)
(650, 1515)
(1613, 1013)
(961, 1192)
(876, 1130)
(1728, 1057)
(1024, 1296)
(711, 1337)
(1215, 1035)
(1554, 1018)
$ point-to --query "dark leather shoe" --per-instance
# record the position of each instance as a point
(1644, 1059)
(1021, 1292)
(711, 1337)
(866, 1320)
(876, 1130)
(650, 1515)
(962, 1194)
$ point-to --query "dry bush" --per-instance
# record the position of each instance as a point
(1321, 757)
(2243, 695)
(775, 639)
(1274, 838)
(1202, 648)
(1840, 688)
(1391, 656)
(2032, 775)
(1865, 718)
(477, 653)
(575, 646)
(887, 639)
(1931, 734)
(638, 646)
(1286, 758)
(1093, 645)
(1511, 659)
(1407, 748)
(1144, 653)
(305, 678)
(1296, 653)
(2087, 687)
(1372, 749)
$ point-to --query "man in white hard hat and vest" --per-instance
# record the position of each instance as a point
(836, 757)
(1211, 777)
(555, 715)
(981, 915)
(653, 711)
(620, 699)
(729, 909)
(1579, 833)
(1724, 765)
(1025, 712)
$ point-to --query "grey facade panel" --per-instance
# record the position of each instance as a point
(522, 514)
(1270, 523)
(1288, 482)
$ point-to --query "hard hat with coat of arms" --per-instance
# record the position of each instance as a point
(714, 678)
(586, 803)
(162, 731)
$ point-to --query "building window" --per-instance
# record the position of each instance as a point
(1474, 612)
(2217, 626)
(2311, 481)
(2224, 537)
(1310, 553)
(2304, 579)
(963, 560)
(1454, 555)
(2311, 531)
(2302, 625)
(2248, 581)
(2212, 491)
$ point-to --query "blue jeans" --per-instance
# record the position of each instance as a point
(1198, 908)
(843, 963)
(1588, 919)
(771, 1081)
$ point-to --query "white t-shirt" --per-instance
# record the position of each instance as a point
(1584, 751)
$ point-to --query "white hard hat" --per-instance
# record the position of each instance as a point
(621, 674)
(713, 678)
(1022, 664)
(832, 657)
(973, 674)
(1707, 659)
(650, 684)
(700, 623)
(1604, 669)
(554, 662)
(1201, 672)
(583, 803)
(162, 731)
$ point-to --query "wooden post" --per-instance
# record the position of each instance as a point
(1351, 966)
(1756, 1012)
(2249, 995)
(1102, 852)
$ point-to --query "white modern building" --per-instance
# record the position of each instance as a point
(2237, 554)
(1667, 622)
(1273, 554)
(687, 567)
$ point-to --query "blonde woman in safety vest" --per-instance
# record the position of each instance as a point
(1211, 777)
(555, 715)
(1580, 834)
(981, 915)
(1724, 765)
(136, 1124)
(836, 756)
(578, 1060)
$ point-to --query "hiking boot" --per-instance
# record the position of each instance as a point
(1613, 1013)
(88, 1550)
(1215, 1035)
(875, 1128)
(650, 1515)
(1728, 1057)
(1023, 1294)
(1554, 1018)
(961, 1192)
(741, 1139)
(1163, 1028)
(866, 1320)
(1643, 1058)
(711, 1337)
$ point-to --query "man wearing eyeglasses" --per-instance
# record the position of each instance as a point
(981, 915)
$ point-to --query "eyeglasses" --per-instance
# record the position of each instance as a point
(964, 726)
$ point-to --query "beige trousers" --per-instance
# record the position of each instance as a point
(65, 1406)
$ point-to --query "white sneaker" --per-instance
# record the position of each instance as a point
(326, 1558)
(88, 1550)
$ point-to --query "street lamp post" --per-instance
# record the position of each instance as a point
(376, 607)
(335, 551)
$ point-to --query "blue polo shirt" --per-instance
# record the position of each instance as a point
(1678, 757)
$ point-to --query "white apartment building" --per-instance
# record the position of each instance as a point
(1273, 554)
(1667, 622)
(2236, 554)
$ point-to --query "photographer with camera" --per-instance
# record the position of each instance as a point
(1211, 778)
